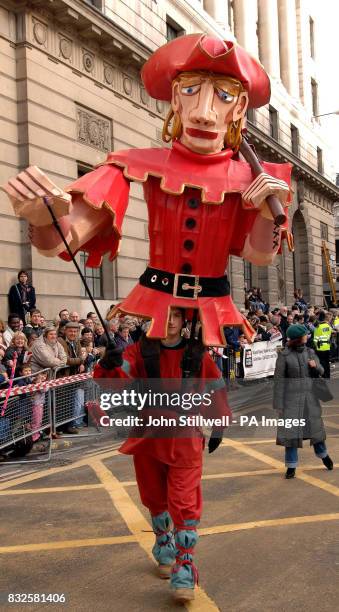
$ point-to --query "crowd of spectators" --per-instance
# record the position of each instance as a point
(271, 324)
(71, 344)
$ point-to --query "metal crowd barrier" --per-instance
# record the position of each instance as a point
(41, 408)
(24, 416)
(69, 402)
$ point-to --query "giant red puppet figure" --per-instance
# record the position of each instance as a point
(204, 204)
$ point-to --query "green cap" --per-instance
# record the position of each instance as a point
(296, 331)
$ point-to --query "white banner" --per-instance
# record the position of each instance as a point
(259, 359)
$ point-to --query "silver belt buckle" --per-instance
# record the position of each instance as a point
(186, 286)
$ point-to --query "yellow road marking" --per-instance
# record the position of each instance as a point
(85, 487)
(67, 544)
(139, 527)
(133, 483)
(293, 520)
(50, 471)
(316, 482)
(114, 540)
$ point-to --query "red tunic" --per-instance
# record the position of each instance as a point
(197, 218)
(178, 451)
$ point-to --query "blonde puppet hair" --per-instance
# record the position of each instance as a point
(233, 135)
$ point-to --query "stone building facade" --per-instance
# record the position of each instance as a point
(71, 91)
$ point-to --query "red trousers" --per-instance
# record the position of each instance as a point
(165, 487)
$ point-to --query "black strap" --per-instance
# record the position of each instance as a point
(150, 351)
(182, 285)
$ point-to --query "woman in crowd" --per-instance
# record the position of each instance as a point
(17, 347)
(294, 398)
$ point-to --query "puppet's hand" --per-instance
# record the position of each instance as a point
(262, 187)
(26, 192)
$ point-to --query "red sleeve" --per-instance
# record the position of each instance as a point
(132, 367)
(133, 364)
(245, 216)
(104, 188)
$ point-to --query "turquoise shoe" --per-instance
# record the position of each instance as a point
(164, 548)
(184, 575)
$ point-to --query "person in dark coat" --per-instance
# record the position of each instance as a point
(293, 397)
(21, 297)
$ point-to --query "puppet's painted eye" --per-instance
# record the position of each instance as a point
(190, 90)
(224, 95)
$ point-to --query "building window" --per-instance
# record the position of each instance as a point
(250, 114)
(320, 160)
(324, 231)
(247, 275)
(93, 278)
(273, 119)
(314, 90)
(230, 15)
(173, 29)
(312, 38)
(83, 169)
(294, 139)
(96, 3)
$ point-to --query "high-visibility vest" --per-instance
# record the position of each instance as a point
(322, 337)
(336, 323)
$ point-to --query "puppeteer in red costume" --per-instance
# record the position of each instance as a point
(204, 204)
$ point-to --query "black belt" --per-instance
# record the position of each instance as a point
(185, 285)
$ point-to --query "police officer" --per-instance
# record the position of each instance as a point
(322, 342)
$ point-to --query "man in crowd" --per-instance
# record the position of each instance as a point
(75, 363)
(34, 325)
(64, 315)
(74, 316)
(322, 342)
(14, 324)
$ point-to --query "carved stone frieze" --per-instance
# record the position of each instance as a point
(40, 33)
(64, 43)
(94, 130)
(88, 60)
(144, 97)
(160, 106)
(109, 74)
(127, 85)
(65, 48)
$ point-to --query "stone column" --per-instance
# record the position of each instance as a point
(218, 11)
(269, 37)
(245, 24)
(288, 46)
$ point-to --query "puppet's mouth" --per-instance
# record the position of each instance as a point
(201, 133)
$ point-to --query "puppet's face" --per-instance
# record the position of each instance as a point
(206, 105)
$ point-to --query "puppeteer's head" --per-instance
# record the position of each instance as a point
(210, 83)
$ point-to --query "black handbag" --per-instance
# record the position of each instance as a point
(321, 390)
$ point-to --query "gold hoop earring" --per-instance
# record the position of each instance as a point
(233, 136)
(176, 130)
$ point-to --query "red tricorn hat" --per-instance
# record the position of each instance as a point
(203, 52)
